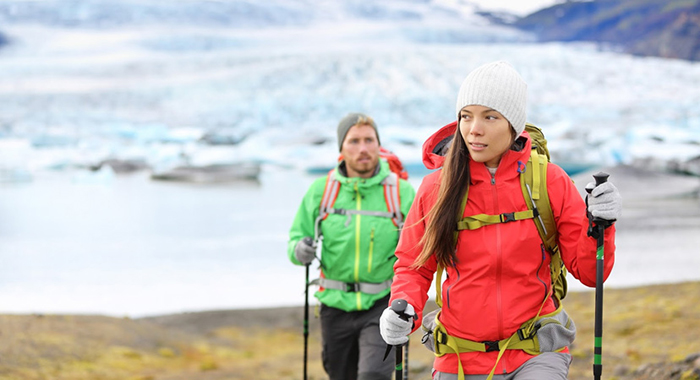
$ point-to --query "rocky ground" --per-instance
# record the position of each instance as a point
(650, 332)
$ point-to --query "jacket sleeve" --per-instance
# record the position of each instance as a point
(304, 221)
(578, 250)
(413, 284)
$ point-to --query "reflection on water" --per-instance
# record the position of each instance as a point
(135, 246)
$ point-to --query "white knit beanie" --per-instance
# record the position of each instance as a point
(498, 86)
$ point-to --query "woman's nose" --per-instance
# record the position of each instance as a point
(476, 128)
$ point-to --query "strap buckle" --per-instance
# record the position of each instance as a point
(440, 337)
(522, 334)
(440, 340)
(507, 217)
(491, 345)
(351, 287)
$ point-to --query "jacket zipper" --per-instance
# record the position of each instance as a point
(371, 250)
(499, 270)
(358, 223)
(499, 264)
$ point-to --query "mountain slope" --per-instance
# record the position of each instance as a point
(669, 29)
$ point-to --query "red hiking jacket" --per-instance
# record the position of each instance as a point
(502, 272)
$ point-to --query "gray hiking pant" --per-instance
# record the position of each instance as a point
(353, 349)
(545, 366)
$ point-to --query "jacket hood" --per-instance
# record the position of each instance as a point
(436, 146)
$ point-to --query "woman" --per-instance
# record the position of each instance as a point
(498, 281)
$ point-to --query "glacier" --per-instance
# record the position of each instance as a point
(243, 81)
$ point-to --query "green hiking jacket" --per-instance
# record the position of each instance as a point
(359, 251)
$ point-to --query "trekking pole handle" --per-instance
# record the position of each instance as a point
(600, 178)
(399, 307)
(314, 245)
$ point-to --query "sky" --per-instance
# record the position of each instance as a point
(519, 7)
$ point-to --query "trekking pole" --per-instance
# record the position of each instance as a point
(405, 361)
(306, 301)
(306, 320)
(398, 306)
(317, 236)
(600, 178)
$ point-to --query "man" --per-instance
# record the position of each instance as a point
(360, 233)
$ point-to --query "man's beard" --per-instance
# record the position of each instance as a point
(364, 169)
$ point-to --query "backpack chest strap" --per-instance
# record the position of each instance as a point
(477, 221)
(363, 287)
(392, 199)
(350, 213)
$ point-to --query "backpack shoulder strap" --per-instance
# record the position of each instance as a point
(533, 181)
(392, 197)
(330, 193)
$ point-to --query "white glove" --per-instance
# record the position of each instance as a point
(393, 329)
(305, 251)
(604, 201)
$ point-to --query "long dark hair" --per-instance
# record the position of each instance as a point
(440, 234)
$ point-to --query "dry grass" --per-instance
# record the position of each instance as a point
(642, 325)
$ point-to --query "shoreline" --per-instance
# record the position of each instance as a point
(647, 328)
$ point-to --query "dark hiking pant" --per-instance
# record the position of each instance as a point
(352, 346)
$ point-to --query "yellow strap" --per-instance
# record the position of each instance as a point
(536, 162)
(477, 221)
(500, 353)
(460, 219)
(465, 345)
(450, 342)
(456, 345)
(438, 286)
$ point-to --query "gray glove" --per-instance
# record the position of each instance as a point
(604, 201)
(393, 329)
(305, 251)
